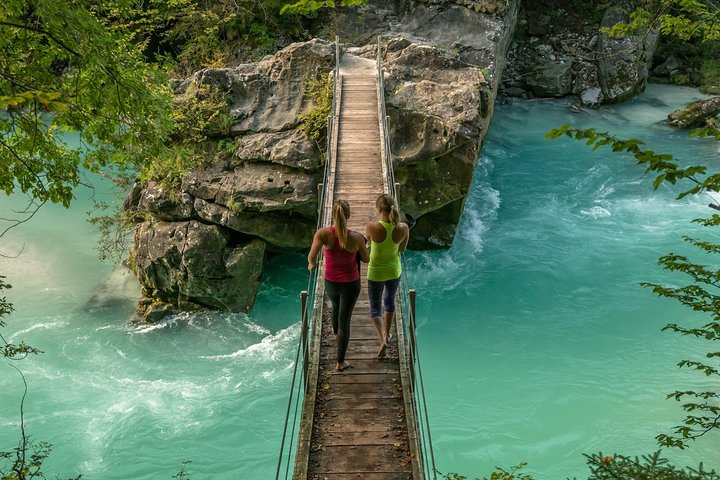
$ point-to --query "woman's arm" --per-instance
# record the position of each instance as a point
(406, 236)
(362, 246)
(315, 249)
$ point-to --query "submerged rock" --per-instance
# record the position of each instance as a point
(696, 114)
(119, 290)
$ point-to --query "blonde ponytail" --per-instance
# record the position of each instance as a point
(394, 215)
(341, 213)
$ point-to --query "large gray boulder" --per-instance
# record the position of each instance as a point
(552, 79)
(268, 96)
(291, 148)
(623, 62)
(197, 263)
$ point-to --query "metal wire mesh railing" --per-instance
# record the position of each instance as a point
(407, 298)
(301, 373)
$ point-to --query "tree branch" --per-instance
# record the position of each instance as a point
(42, 32)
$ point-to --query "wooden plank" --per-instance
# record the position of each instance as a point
(363, 476)
(362, 390)
(368, 458)
(365, 365)
(360, 438)
(363, 420)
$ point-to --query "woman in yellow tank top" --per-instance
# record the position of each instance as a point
(388, 237)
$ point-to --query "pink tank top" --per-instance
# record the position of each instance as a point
(340, 265)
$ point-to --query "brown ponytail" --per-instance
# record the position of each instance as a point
(386, 204)
(341, 213)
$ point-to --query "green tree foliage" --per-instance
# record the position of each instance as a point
(649, 467)
(612, 467)
(309, 7)
(686, 23)
(499, 474)
(10, 351)
(65, 74)
(187, 35)
(682, 19)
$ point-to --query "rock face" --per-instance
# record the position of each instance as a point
(623, 63)
(196, 263)
(565, 53)
(202, 244)
(442, 73)
(438, 108)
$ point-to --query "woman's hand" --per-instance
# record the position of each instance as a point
(315, 249)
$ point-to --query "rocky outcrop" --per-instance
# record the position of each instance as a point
(566, 53)
(623, 62)
(552, 62)
(696, 114)
(441, 77)
(438, 109)
(201, 244)
(191, 264)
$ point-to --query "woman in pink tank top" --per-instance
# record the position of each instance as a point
(341, 248)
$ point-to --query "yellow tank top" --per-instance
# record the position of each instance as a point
(384, 257)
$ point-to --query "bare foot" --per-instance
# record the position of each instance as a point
(339, 367)
(381, 352)
(389, 338)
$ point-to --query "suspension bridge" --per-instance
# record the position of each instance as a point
(370, 421)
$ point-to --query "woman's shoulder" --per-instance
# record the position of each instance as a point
(325, 233)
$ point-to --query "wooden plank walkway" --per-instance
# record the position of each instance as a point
(359, 429)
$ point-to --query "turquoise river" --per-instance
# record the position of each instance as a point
(537, 342)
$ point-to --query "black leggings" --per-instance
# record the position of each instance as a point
(343, 297)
